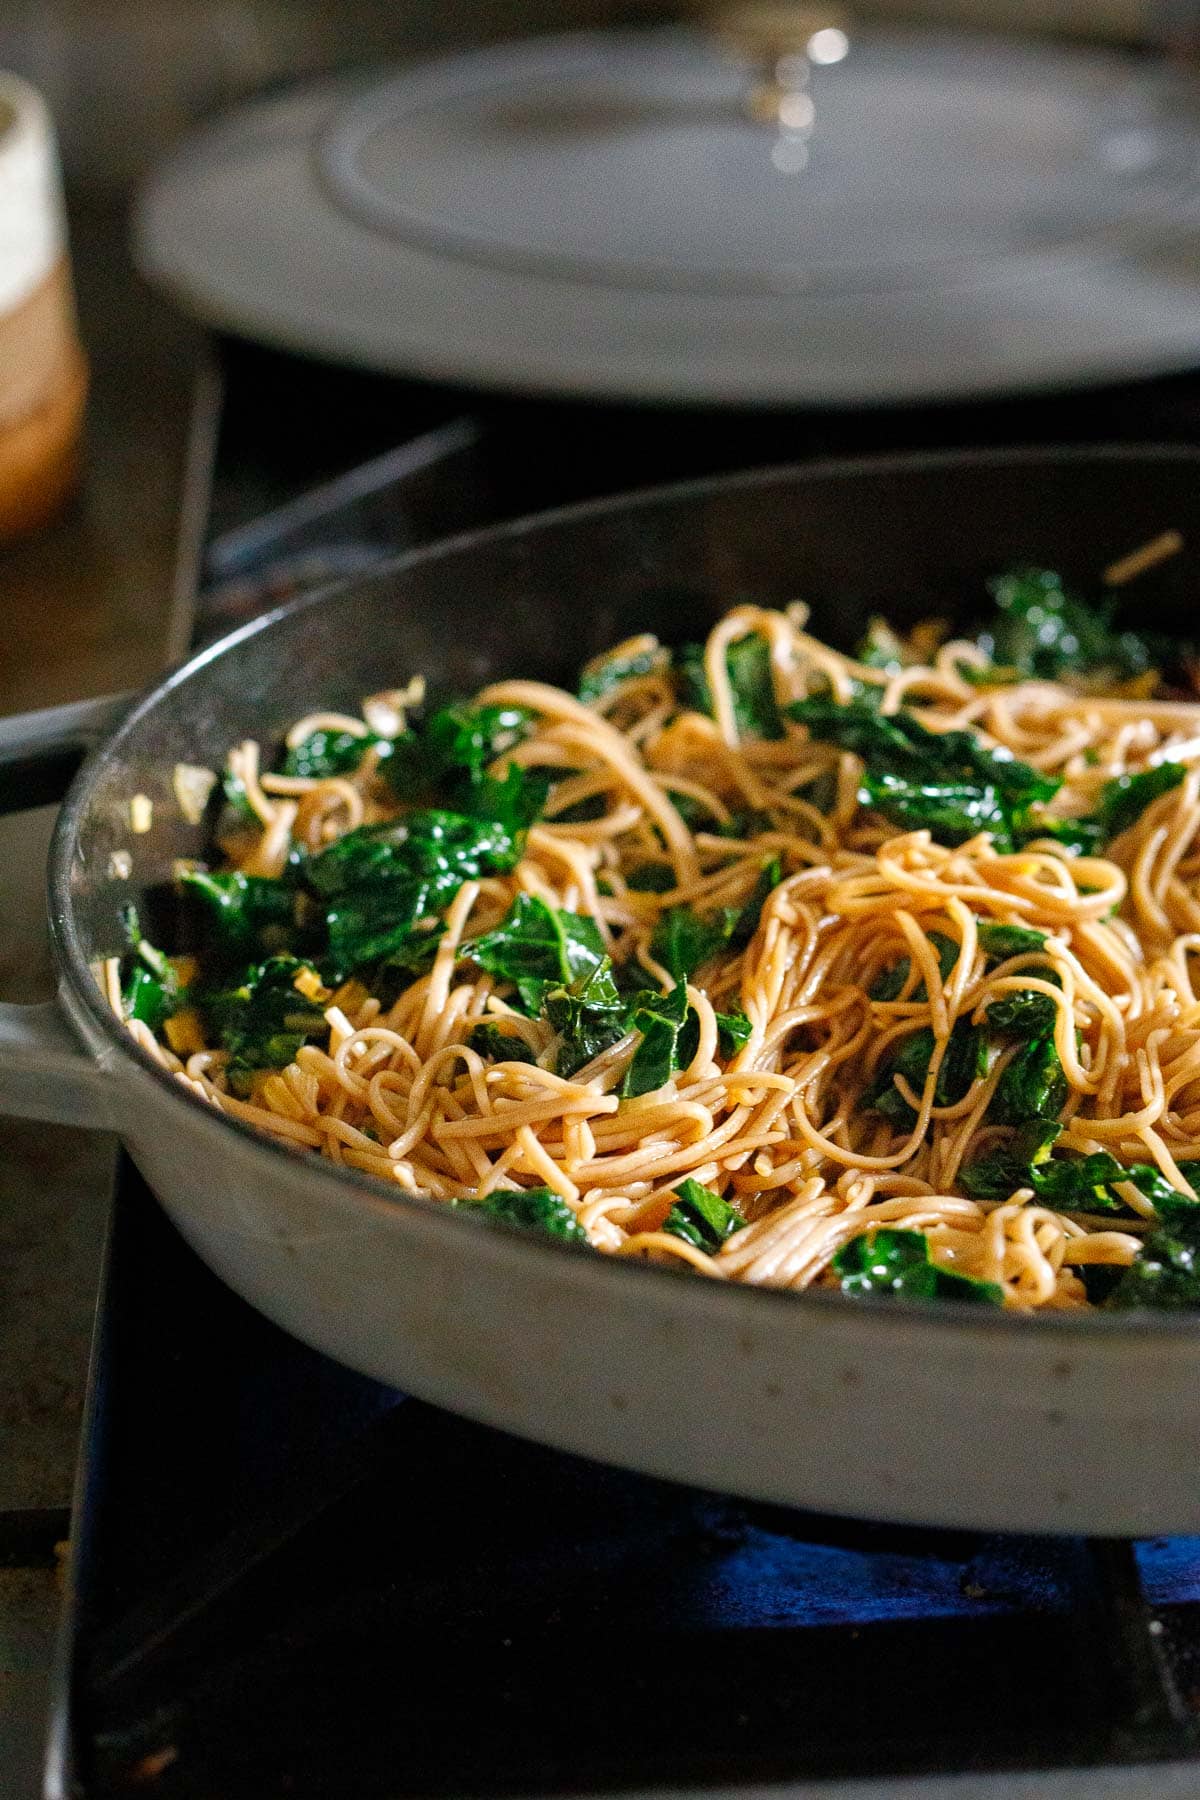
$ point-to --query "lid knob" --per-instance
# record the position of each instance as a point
(781, 39)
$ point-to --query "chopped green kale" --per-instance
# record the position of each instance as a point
(1125, 799)
(1078, 837)
(604, 673)
(499, 1046)
(684, 940)
(951, 811)
(1066, 1183)
(530, 1209)
(264, 1019)
(1033, 1085)
(444, 763)
(746, 923)
(964, 1060)
(748, 661)
(150, 990)
(371, 899)
(1165, 1274)
(947, 782)
(381, 885)
(468, 738)
(745, 822)
(1002, 941)
(325, 753)
(691, 681)
(733, 1030)
(514, 800)
(537, 948)
(589, 1017)
(755, 707)
(881, 648)
(652, 878)
(148, 997)
(246, 915)
(701, 1217)
(890, 985)
(557, 962)
(892, 1262)
(1025, 1012)
(238, 810)
(1045, 632)
(661, 1019)
(1002, 1171)
(453, 748)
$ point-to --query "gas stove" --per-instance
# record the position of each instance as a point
(290, 1581)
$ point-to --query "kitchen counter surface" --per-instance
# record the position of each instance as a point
(87, 601)
(87, 607)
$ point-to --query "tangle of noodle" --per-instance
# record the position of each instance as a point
(778, 1129)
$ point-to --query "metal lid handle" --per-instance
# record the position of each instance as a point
(780, 40)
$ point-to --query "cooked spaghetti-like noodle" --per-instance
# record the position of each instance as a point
(781, 1126)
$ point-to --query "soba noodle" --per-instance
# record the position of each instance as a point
(781, 1126)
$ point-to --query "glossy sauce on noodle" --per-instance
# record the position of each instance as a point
(869, 935)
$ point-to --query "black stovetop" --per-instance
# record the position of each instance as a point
(290, 1581)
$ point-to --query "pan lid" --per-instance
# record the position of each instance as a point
(781, 210)
(665, 164)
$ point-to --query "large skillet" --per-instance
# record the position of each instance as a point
(890, 1410)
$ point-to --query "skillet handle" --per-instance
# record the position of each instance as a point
(40, 751)
(45, 1072)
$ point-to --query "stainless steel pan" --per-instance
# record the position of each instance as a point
(899, 1412)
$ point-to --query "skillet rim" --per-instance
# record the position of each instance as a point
(348, 1187)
